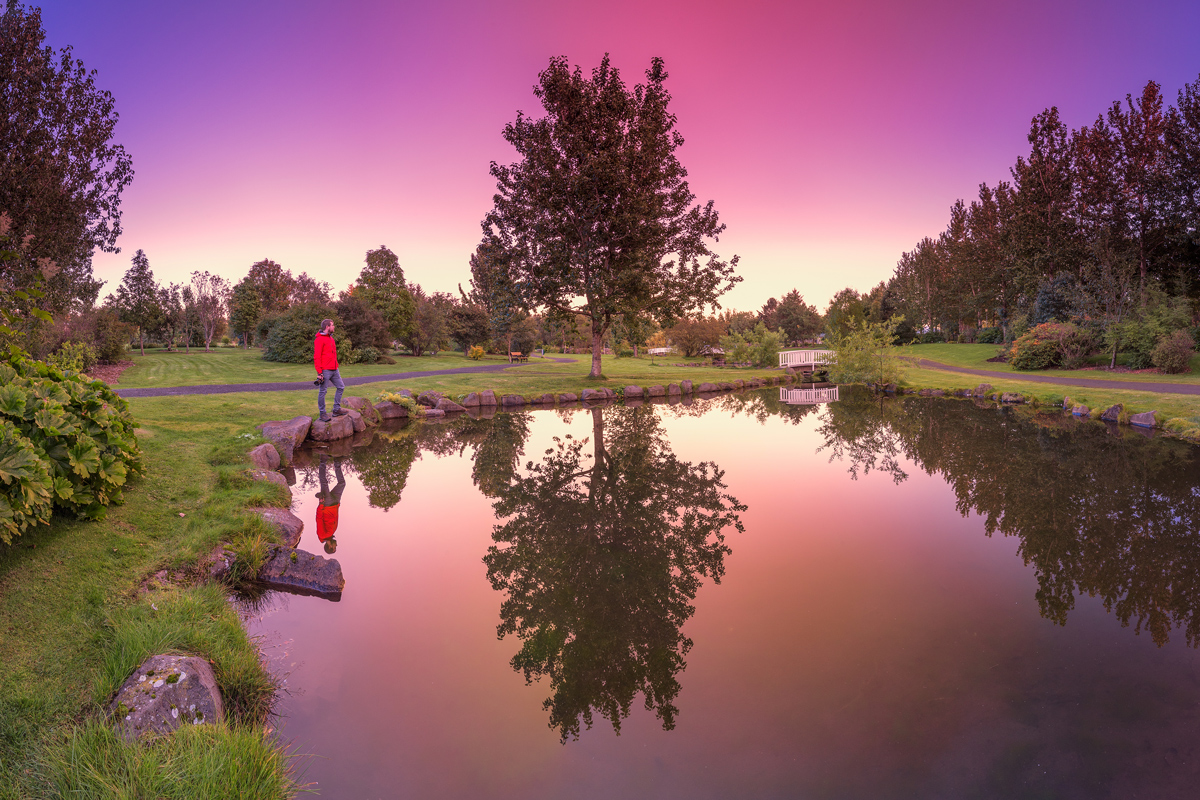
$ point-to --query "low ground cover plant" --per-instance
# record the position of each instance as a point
(65, 443)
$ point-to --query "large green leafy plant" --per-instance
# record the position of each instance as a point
(66, 443)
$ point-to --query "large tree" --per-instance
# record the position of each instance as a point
(138, 298)
(273, 284)
(61, 176)
(597, 215)
(381, 284)
(211, 294)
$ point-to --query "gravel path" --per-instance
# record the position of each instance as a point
(1091, 383)
(296, 386)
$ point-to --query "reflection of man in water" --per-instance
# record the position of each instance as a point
(328, 503)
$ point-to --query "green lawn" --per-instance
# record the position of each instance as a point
(975, 356)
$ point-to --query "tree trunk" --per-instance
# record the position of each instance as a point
(142, 340)
(597, 348)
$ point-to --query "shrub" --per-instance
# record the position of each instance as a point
(1137, 339)
(290, 335)
(475, 353)
(1052, 344)
(990, 336)
(367, 355)
(65, 443)
(624, 354)
(933, 337)
(74, 356)
(1174, 353)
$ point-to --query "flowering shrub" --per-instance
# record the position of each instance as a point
(1052, 344)
(475, 353)
(1174, 353)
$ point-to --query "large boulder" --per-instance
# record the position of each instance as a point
(685, 387)
(512, 401)
(656, 391)
(265, 456)
(433, 413)
(982, 389)
(1012, 397)
(286, 436)
(673, 390)
(1081, 411)
(429, 398)
(273, 477)
(593, 395)
(337, 428)
(1144, 420)
(299, 572)
(356, 420)
(1113, 413)
(707, 388)
(167, 691)
(633, 391)
(390, 410)
(446, 404)
(488, 398)
(568, 397)
(545, 400)
(287, 524)
(471, 400)
(363, 406)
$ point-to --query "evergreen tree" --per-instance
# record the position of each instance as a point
(138, 299)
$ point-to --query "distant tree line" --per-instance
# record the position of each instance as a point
(1098, 228)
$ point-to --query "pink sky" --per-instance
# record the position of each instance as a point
(831, 136)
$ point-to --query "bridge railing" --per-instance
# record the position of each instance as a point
(806, 358)
(808, 396)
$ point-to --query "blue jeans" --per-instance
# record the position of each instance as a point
(327, 377)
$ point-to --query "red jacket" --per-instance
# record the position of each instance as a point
(324, 352)
(327, 521)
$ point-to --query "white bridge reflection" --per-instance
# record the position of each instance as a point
(810, 396)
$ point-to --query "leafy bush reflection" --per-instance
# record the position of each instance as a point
(1106, 512)
(601, 556)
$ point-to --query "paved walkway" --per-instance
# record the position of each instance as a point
(1091, 383)
(296, 386)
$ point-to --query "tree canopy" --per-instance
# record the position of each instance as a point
(596, 217)
(61, 175)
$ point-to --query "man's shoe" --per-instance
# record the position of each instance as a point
(325, 418)
(339, 412)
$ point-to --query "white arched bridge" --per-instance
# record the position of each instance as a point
(808, 397)
(805, 360)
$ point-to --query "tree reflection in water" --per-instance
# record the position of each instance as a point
(601, 556)
(1109, 513)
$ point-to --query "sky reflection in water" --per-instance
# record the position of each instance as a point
(865, 640)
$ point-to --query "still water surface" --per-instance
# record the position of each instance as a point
(904, 598)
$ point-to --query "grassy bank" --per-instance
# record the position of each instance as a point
(975, 356)
(79, 611)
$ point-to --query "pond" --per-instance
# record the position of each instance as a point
(866, 598)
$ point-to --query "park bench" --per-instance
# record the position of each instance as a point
(517, 357)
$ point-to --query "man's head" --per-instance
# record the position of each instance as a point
(326, 326)
(331, 545)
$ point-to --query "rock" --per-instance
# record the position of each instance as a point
(673, 390)
(390, 410)
(1081, 411)
(446, 404)
(471, 400)
(1144, 420)
(926, 393)
(337, 428)
(286, 436)
(303, 573)
(725, 385)
(544, 400)
(433, 413)
(707, 388)
(512, 401)
(656, 391)
(739, 384)
(356, 420)
(273, 477)
(594, 394)
(1067, 404)
(363, 406)
(937, 393)
(1113, 414)
(633, 391)
(265, 456)
(685, 387)
(488, 398)
(789, 371)
(568, 397)
(285, 522)
(429, 398)
(982, 389)
(167, 691)
(1011, 397)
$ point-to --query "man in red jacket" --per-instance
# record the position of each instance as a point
(325, 360)
(328, 504)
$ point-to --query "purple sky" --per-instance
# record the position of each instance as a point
(831, 136)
